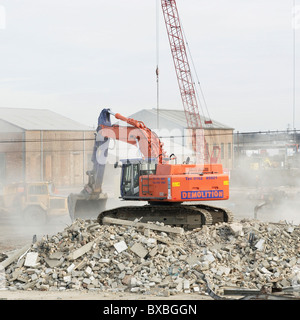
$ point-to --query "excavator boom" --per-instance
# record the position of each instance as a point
(136, 134)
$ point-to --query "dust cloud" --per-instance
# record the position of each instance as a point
(15, 230)
(271, 194)
(15, 233)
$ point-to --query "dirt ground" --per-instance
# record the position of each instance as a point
(14, 234)
(87, 295)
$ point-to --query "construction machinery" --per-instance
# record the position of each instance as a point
(166, 187)
(35, 202)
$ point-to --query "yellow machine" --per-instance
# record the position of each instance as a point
(34, 201)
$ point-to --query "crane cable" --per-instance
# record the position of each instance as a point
(196, 74)
(157, 62)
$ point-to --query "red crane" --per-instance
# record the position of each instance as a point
(184, 76)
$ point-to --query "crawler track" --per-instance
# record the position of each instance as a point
(186, 216)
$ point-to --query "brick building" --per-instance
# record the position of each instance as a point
(38, 144)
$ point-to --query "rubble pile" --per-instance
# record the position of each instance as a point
(249, 254)
(86, 255)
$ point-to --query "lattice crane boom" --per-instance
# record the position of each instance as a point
(184, 75)
(181, 63)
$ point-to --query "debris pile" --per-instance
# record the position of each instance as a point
(86, 255)
(249, 254)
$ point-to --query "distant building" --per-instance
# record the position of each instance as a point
(172, 126)
(38, 144)
(269, 149)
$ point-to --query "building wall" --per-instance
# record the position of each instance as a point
(59, 156)
(32, 156)
(11, 156)
(224, 140)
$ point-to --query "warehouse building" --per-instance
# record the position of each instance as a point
(38, 145)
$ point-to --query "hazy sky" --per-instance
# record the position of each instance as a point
(76, 57)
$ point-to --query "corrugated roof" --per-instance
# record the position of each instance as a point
(178, 116)
(40, 119)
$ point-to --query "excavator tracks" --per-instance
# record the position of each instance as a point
(185, 216)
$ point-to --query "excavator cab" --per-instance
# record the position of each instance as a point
(130, 177)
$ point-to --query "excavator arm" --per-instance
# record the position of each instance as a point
(136, 134)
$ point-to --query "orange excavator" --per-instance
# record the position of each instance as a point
(168, 188)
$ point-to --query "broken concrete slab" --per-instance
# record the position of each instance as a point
(31, 259)
(88, 271)
(121, 266)
(53, 263)
(81, 251)
(260, 245)
(186, 284)
(224, 270)
(141, 225)
(192, 260)
(153, 252)
(14, 256)
(139, 250)
(120, 246)
(236, 228)
(71, 268)
(56, 255)
(126, 279)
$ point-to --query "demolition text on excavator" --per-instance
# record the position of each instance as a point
(204, 194)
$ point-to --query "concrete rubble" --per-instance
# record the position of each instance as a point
(88, 256)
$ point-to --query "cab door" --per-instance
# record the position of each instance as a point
(130, 179)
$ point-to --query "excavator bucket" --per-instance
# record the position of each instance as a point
(85, 208)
